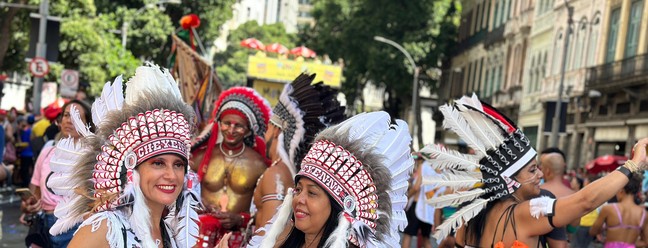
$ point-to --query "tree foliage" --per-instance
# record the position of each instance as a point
(232, 64)
(346, 29)
(90, 38)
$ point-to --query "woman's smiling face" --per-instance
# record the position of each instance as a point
(162, 179)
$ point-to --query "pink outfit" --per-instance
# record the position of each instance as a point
(41, 171)
(619, 244)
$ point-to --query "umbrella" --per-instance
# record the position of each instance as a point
(605, 163)
(303, 52)
(277, 48)
(252, 43)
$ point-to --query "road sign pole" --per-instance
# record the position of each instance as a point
(41, 51)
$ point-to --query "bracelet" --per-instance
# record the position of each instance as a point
(631, 165)
(625, 171)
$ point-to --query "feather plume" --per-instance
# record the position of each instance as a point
(66, 154)
(483, 127)
(82, 128)
(187, 229)
(454, 181)
(458, 218)
(455, 122)
(366, 125)
(112, 98)
(442, 158)
(140, 215)
(455, 198)
(65, 221)
(338, 238)
(149, 79)
(399, 220)
(60, 183)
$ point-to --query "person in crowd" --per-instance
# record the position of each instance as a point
(420, 216)
(624, 221)
(553, 165)
(43, 199)
(582, 237)
(132, 171)
(303, 110)
(25, 152)
(350, 190)
(501, 209)
(229, 160)
(576, 183)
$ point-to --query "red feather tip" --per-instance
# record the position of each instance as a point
(190, 21)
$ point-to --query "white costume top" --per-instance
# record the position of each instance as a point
(120, 234)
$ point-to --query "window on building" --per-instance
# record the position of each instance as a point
(623, 108)
(478, 83)
(643, 106)
(593, 41)
(632, 36)
(486, 15)
(496, 14)
(558, 47)
(610, 49)
(500, 78)
(532, 75)
(507, 16)
(478, 17)
(484, 89)
(543, 72)
(580, 40)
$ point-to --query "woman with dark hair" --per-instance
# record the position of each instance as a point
(501, 208)
(350, 189)
(623, 221)
(43, 199)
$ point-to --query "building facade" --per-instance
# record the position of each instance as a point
(524, 54)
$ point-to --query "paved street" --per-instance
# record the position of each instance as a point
(13, 233)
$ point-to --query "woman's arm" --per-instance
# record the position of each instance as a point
(597, 227)
(583, 201)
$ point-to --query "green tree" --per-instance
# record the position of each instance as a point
(345, 29)
(232, 64)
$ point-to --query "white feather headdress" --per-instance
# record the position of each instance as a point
(500, 151)
(100, 172)
(366, 160)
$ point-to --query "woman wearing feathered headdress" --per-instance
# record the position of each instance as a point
(120, 180)
(500, 208)
(350, 189)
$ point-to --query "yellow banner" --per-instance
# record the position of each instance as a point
(269, 90)
(286, 70)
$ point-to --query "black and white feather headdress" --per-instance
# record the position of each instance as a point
(500, 151)
(303, 110)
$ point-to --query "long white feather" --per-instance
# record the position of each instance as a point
(66, 154)
(455, 198)
(483, 127)
(281, 218)
(150, 78)
(452, 180)
(459, 218)
(442, 158)
(338, 238)
(140, 217)
(66, 219)
(187, 229)
(81, 127)
(455, 122)
(367, 126)
(112, 98)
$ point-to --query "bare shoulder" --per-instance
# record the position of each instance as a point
(273, 175)
(86, 237)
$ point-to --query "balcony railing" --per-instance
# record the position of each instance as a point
(494, 36)
(621, 73)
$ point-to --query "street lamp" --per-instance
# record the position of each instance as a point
(126, 22)
(556, 118)
(414, 83)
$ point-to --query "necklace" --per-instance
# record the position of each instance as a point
(275, 162)
(230, 154)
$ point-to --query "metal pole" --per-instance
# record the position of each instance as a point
(41, 51)
(414, 84)
(556, 119)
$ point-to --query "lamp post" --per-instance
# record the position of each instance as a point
(414, 83)
(126, 23)
(556, 118)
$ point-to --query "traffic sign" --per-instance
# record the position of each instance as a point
(38, 67)
(69, 82)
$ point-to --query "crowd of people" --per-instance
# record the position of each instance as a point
(133, 169)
